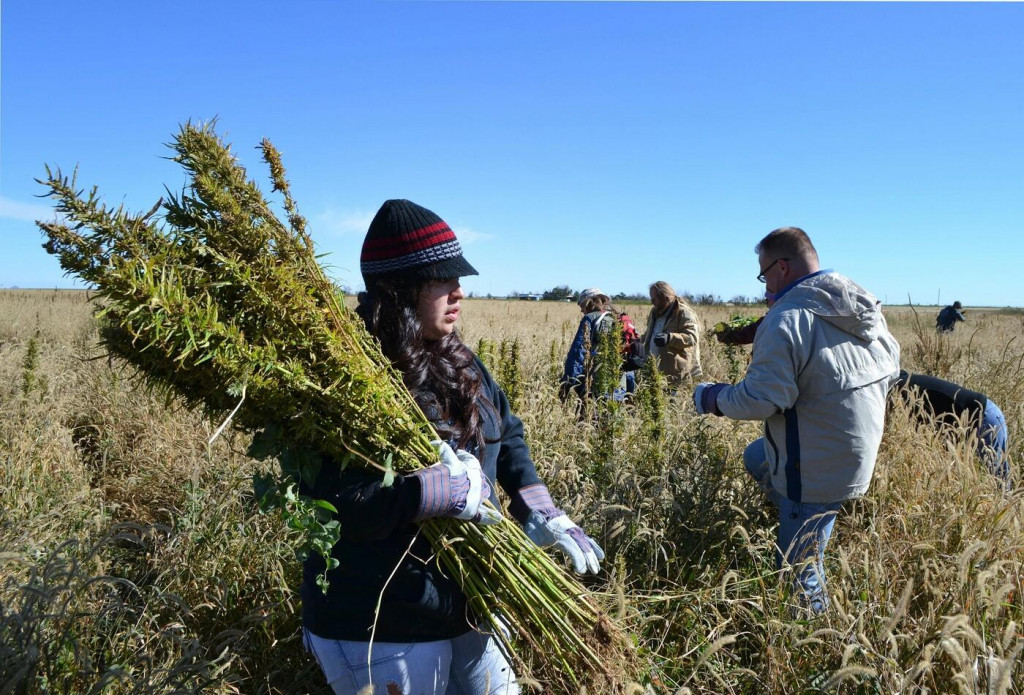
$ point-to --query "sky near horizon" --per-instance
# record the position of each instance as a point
(566, 143)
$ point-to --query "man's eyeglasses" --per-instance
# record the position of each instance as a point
(760, 278)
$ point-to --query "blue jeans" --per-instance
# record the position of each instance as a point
(470, 664)
(992, 441)
(803, 535)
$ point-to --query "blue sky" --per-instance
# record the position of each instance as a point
(579, 143)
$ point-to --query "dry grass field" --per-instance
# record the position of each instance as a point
(134, 559)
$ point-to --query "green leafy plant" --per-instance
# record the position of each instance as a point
(510, 372)
(30, 379)
(733, 352)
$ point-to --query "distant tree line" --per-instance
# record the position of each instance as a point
(564, 293)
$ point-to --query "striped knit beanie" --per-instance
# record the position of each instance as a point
(406, 240)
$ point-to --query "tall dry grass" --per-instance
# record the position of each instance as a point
(134, 559)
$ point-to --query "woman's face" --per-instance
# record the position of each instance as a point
(438, 308)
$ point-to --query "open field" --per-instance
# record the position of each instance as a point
(133, 559)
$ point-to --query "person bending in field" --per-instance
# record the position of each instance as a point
(949, 405)
(822, 363)
(425, 638)
(948, 317)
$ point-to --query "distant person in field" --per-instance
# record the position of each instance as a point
(581, 362)
(672, 335)
(822, 363)
(949, 316)
(389, 585)
(950, 406)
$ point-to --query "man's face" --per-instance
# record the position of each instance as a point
(773, 269)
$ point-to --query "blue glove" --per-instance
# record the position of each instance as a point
(705, 398)
(661, 339)
(546, 525)
(455, 487)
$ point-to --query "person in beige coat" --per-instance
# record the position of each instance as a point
(672, 336)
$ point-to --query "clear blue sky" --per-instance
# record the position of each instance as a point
(577, 143)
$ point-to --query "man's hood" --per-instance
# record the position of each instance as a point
(840, 301)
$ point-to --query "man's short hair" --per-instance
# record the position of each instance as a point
(787, 242)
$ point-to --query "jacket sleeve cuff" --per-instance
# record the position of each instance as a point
(435, 492)
(532, 498)
(709, 399)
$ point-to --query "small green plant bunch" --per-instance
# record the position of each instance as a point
(221, 306)
(736, 323)
(510, 372)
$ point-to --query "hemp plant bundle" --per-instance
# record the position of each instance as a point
(226, 308)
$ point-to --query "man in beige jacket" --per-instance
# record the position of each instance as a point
(672, 336)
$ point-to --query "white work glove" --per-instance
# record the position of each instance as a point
(547, 525)
(455, 487)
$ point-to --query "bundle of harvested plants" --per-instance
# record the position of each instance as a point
(216, 302)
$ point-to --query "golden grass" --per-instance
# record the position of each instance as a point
(134, 560)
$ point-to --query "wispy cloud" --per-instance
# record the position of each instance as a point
(341, 222)
(468, 236)
(24, 212)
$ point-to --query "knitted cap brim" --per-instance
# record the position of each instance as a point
(442, 270)
(450, 268)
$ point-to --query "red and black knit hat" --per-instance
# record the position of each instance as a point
(408, 240)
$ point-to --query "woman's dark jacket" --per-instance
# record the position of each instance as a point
(580, 362)
(420, 603)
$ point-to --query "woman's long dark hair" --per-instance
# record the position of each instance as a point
(438, 373)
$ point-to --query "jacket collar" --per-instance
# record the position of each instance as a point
(796, 282)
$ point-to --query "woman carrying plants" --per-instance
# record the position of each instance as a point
(390, 615)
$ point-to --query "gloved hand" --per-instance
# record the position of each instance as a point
(661, 339)
(705, 398)
(455, 487)
(722, 332)
(744, 335)
(547, 525)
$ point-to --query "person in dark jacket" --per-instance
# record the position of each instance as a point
(949, 405)
(580, 365)
(948, 317)
(390, 614)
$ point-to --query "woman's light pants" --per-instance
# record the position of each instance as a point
(470, 664)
